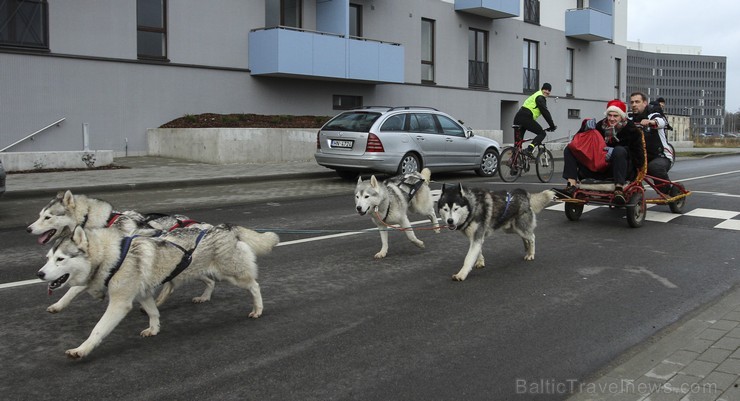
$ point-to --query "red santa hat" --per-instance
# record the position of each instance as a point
(617, 106)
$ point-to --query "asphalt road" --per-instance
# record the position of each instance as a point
(340, 325)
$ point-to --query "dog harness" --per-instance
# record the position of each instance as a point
(187, 257)
(502, 216)
(413, 189)
(112, 218)
(183, 224)
(125, 245)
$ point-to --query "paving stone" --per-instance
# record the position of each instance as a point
(724, 325)
(698, 345)
(734, 333)
(731, 366)
(715, 355)
(734, 316)
(699, 368)
(729, 343)
(682, 357)
(720, 381)
(731, 394)
(712, 334)
(736, 354)
(664, 371)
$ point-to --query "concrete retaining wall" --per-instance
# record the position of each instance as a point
(25, 161)
(243, 145)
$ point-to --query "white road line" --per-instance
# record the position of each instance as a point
(708, 176)
(20, 283)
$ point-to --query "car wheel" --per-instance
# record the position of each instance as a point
(409, 164)
(347, 174)
(488, 164)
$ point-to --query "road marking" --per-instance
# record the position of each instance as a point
(708, 176)
(20, 283)
(642, 270)
(712, 213)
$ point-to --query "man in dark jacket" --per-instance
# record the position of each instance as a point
(625, 153)
(527, 115)
(654, 124)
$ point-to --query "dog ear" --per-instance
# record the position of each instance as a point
(460, 188)
(373, 181)
(80, 238)
(444, 186)
(359, 179)
(69, 199)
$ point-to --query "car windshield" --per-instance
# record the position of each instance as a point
(359, 121)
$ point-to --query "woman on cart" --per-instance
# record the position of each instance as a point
(624, 152)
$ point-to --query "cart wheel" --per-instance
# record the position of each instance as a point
(677, 206)
(573, 210)
(636, 210)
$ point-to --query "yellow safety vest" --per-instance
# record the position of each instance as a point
(532, 105)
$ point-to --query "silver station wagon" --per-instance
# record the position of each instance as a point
(400, 140)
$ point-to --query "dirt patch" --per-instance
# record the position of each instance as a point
(212, 120)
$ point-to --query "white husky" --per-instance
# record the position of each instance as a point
(67, 210)
(389, 202)
(96, 259)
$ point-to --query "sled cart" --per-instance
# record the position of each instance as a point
(593, 192)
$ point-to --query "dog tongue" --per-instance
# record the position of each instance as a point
(44, 238)
(49, 289)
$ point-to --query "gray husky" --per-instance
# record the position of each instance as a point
(477, 213)
(66, 211)
(389, 202)
(131, 268)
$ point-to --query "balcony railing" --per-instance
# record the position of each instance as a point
(477, 74)
(285, 51)
(531, 80)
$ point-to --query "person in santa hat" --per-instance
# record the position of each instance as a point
(625, 152)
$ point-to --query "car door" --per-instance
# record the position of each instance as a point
(459, 149)
(424, 130)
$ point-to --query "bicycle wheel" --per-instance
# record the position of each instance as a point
(509, 169)
(545, 165)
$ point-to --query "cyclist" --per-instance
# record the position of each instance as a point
(526, 117)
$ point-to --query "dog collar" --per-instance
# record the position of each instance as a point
(183, 224)
(112, 218)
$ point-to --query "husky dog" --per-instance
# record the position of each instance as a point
(98, 258)
(390, 201)
(68, 211)
(477, 213)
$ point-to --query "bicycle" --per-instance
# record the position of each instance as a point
(513, 162)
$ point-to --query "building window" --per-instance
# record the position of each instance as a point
(290, 13)
(427, 51)
(574, 113)
(24, 23)
(617, 77)
(569, 63)
(151, 29)
(532, 11)
(477, 58)
(346, 102)
(355, 20)
(531, 70)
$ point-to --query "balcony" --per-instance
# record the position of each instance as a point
(588, 24)
(291, 52)
(493, 9)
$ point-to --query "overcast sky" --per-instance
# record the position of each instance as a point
(712, 24)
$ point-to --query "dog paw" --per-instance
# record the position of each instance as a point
(480, 265)
(420, 244)
(458, 277)
(54, 309)
(437, 231)
(255, 314)
(200, 300)
(75, 353)
(528, 257)
(380, 255)
(150, 332)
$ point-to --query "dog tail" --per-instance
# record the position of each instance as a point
(540, 200)
(426, 174)
(261, 243)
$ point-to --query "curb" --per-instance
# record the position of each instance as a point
(118, 187)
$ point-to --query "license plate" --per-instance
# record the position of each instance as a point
(335, 143)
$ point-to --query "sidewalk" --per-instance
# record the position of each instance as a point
(698, 360)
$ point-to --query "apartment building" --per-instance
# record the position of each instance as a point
(692, 84)
(119, 67)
